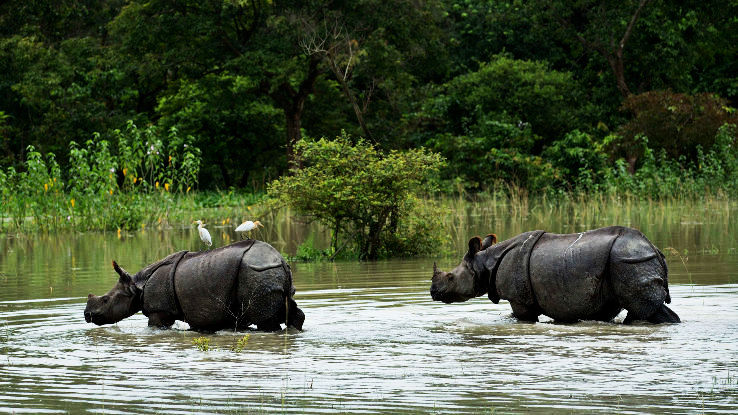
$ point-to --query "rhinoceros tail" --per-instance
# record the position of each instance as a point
(662, 259)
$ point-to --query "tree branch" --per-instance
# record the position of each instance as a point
(632, 22)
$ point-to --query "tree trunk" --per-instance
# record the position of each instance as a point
(292, 103)
(294, 133)
(350, 96)
(224, 173)
(618, 69)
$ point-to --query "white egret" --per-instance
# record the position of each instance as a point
(204, 234)
(249, 226)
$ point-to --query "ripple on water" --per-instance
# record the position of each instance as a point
(375, 345)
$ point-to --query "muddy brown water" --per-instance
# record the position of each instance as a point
(374, 342)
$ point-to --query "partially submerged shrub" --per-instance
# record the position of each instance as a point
(202, 343)
(357, 192)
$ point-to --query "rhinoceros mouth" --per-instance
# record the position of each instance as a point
(95, 318)
(447, 298)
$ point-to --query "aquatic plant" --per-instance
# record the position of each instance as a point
(202, 343)
(241, 343)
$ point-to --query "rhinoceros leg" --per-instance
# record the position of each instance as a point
(161, 320)
(662, 315)
(525, 312)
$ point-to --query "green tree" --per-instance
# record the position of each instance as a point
(361, 194)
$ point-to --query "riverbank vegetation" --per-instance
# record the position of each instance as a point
(128, 113)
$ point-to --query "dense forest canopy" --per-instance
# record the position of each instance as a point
(534, 92)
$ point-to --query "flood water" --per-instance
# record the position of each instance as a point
(373, 341)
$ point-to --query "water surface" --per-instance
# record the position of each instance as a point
(373, 340)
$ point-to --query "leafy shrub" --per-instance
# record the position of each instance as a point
(500, 152)
(660, 176)
(510, 91)
(104, 190)
(358, 192)
(677, 123)
(577, 158)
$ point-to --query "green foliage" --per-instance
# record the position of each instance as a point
(512, 91)
(104, 191)
(307, 251)
(241, 344)
(676, 123)
(714, 172)
(499, 153)
(578, 159)
(202, 343)
(149, 160)
(358, 192)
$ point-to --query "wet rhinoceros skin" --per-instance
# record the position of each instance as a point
(233, 287)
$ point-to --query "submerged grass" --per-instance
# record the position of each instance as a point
(506, 212)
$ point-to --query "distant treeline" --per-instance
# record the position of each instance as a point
(554, 95)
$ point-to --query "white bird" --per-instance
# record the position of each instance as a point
(248, 226)
(204, 234)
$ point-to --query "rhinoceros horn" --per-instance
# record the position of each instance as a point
(435, 269)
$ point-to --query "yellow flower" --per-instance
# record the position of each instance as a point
(54, 179)
(134, 180)
(46, 187)
(125, 171)
(157, 185)
(166, 186)
(188, 189)
(111, 192)
(72, 202)
(170, 159)
(249, 208)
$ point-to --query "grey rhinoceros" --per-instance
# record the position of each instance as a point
(231, 287)
(591, 275)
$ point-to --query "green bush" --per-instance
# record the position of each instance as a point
(676, 123)
(516, 92)
(104, 190)
(660, 176)
(360, 194)
(500, 152)
(578, 159)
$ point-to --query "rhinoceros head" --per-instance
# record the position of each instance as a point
(460, 283)
(122, 301)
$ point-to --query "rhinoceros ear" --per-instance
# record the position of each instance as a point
(125, 277)
(489, 240)
(475, 244)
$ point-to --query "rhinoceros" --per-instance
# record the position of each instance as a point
(590, 275)
(233, 287)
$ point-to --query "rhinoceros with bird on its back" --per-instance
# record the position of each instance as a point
(590, 275)
(233, 287)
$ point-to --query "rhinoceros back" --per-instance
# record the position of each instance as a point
(205, 284)
(567, 272)
(233, 286)
(158, 280)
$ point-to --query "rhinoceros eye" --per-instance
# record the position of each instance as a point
(105, 299)
(450, 277)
